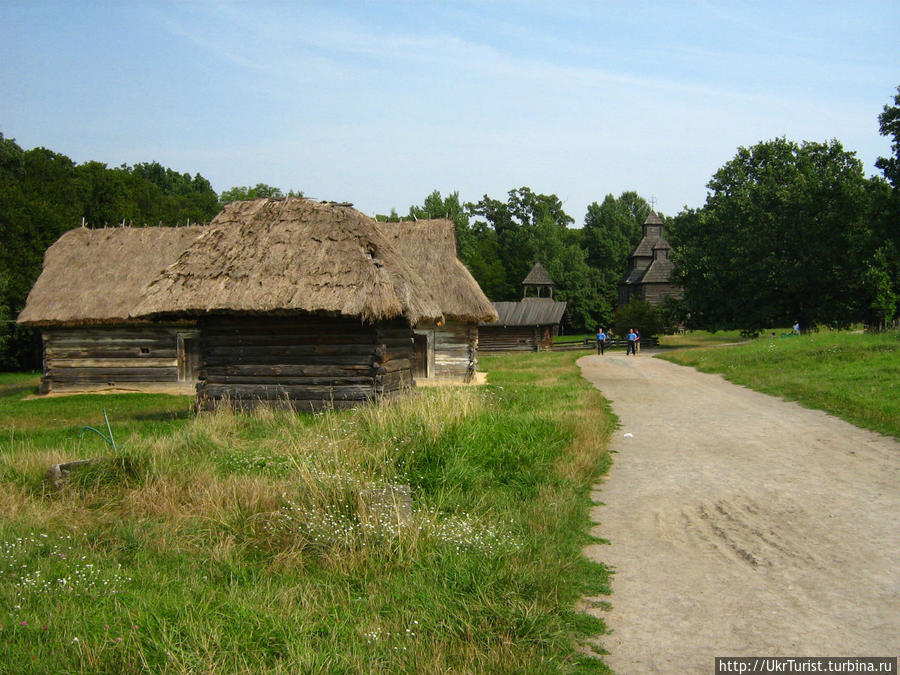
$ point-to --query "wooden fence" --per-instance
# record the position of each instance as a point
(611, 343)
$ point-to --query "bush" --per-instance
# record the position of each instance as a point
(640, 315)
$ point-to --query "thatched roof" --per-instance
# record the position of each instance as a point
(530, 312)
(292, 255)
(429, 246)
(99, 276)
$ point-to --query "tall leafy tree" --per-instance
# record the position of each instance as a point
(882, 283)
(889, 125)
(780, 238)
(611, 232)
(44, 193)
(527, 225)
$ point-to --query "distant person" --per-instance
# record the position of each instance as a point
(637, 342)
(601, 340)
(796, 328)
(629, 348)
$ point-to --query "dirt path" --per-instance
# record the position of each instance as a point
(741, 525)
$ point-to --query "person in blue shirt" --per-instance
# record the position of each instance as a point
(629, 348)
(601, 340)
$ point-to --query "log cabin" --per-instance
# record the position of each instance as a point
(527, 325)
(298, 303)
(445, 351)
(83, 303)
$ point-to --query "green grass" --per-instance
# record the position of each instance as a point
(579, 337)
(250, 542)
(854, 376)
(699, 338)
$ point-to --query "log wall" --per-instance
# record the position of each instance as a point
(516, 338)
(655, 294)
(144, 357)
(304, 362)
(452, 350)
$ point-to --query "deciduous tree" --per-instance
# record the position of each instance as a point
(611, 232)
(780, 239)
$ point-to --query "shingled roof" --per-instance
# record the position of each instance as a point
(538, 276)
(659, 272)
(650, 262)
(530, 312)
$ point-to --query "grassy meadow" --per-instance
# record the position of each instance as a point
(700, 338)
(269, 542)
(854, 376)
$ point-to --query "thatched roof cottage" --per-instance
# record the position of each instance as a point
(291, 301)
(84, 303)
(445, 350)
(298, 302)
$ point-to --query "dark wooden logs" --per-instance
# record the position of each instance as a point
(307, 362)
(131, 356)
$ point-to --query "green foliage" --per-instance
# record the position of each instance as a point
(855, 376)
(611, 232)
(780, 239)
(889, 125)
(499, 241)
(882, 284)
(881, 292)
(244, 192)
(527, 224)
(43, 194)
(639, 315)
(392, 217)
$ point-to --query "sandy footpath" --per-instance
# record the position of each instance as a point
(740, 524)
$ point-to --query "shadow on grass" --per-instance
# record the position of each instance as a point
(162, 415)
(19, 389)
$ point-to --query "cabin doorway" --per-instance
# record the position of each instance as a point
(188, 357)
(420, 367)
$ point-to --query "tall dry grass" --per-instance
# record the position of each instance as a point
(275, 542)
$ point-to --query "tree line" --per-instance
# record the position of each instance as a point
(790, 232)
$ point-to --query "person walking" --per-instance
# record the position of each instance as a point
(629, 348)
(637, 342)
(601, 341)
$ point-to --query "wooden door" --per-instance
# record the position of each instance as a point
(188, 357)
(420, 369)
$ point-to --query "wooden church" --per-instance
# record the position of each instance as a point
(650, 267)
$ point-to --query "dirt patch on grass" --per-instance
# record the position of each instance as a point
(740, 524)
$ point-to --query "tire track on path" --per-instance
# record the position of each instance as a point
(740, 524)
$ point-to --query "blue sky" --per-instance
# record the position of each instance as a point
(379, 103)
